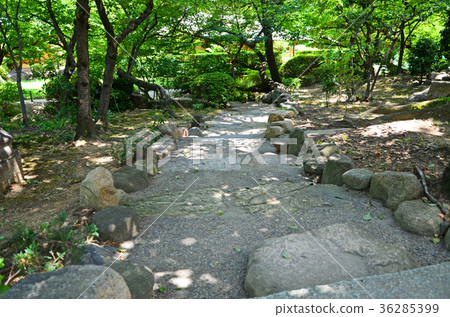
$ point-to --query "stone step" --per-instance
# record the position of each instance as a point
(428, 282)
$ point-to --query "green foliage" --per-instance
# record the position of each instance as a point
(445, 39)
(57, 85)
(422, 57)
(8, 95)
(217, 88)
(303, 64)
(50, 246)
(3, 287)
(292, 83)
(3, 73)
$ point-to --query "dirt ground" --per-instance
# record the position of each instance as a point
(378, 141)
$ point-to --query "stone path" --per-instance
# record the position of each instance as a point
(219, 196)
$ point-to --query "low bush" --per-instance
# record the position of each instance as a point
(9, 94)
(422, 57)
(217, 88)
(303, 64)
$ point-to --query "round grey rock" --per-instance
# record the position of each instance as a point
(71, 282)
(130, 179)
(358, 178)
(286, 124)
(139, 278)
(336, 165)
(273, 132)
(417, 217)
(394, 187)
(117, 224)
(312, 166)
(195, 131)
(299, 135)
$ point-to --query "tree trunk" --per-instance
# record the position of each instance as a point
(108, 76)
(270, 56)
(86, 126)
(402, 49)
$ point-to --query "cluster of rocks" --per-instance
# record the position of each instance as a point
(440, 85)
(105, 274)
(10, 163)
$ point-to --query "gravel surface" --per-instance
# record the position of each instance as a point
(205, 255)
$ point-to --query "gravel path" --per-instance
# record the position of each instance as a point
(203, 253)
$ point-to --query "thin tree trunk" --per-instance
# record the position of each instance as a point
(17, 65)
(86, 126)
(270, 56)
(111, 54)
(402, 49)
(108, 76)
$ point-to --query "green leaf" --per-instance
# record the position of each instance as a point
(432, 205)
(338, 197)
(295, 209)
(244, 174)
(206, 212)
(2, 209)
(367, 217)
(238, 250)
(262, 183)
(432, 165)
(177, 177)
(380, 217)
(196, 170)
(436, 240)
(285, 254)
(293, 227)
(162, 289)
(59, 188)
(220, 213)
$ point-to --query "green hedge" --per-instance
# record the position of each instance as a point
(298, 65)
(217, 88)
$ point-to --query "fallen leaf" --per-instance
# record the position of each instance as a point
(338, 197)
(162, 289)
(285, 255)
(262, 183)
(293, 227)
(220, 213)
(59, 188)
(367, 217)
(206, 212)
(380, 217)
(238, 250)
(436, 240)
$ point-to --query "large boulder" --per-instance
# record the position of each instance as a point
(394, 187)
(299, 260)
(336, 165)
(313, 166)
(358, 178)
(439, 89)
(97, 190)
(71, 282)
(117, 224)
(417, 217)
(130, 179)
(299, 135)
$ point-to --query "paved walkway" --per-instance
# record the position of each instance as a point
(220, 195)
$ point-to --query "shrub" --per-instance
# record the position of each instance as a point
(422, 56)
(445, 38)
(217, 88)
(8, 95)
(298, 65)
(3, 288)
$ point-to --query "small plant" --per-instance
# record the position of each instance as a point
(3, 287)
(49, 247)
(197, 106)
